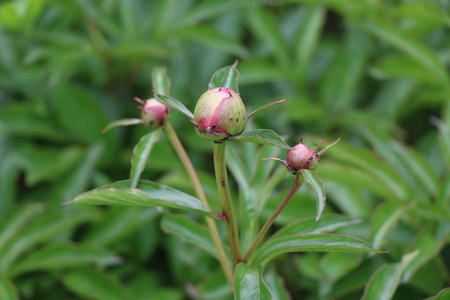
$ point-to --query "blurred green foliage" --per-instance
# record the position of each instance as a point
(370, 71)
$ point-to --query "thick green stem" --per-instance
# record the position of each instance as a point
(225, 198)
(297, 184)
(175, 141)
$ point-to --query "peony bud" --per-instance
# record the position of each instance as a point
(219, 113)
(301, 157)
(154, 113)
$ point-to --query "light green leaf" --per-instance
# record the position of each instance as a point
(276, 285)
(122, 122)
(384, 281)
(147, 193)
(226, 77)
(64, 255)
(310, 242)
(174, 103)
(313, 179)
(189, 231)
(249, 283)
(160, 81)
(20, 14)
(91, 283)
(443, 295)
(310, 226)
(7, 289)
(262, 136)
(141, 152)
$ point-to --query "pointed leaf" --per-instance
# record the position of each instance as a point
(225, 77)
(249, 283)
(147, 193)
(141, 153)
(264, 107)
(62, 256)
(313, 179)
(262, 136)
(160, 81)
(174, 103)
(189, 231)
(384, 281)
(312, 243)
(311, 226)
(122, 122)
(7, 289)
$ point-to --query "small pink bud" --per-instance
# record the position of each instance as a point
(219, 113)
(154, 113)
(302, 157)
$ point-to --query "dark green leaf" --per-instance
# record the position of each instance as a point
(385, 280)
(122, 122)
(174, 103)
(147, 193)
(311, 226)
(443, 295)
(94, 284)
(311, 242)
(226, 77)
(7, 289)
(64, 255)
(160, 81)
(262, 136)
(313, 179)
(249, 283)
(141, 152)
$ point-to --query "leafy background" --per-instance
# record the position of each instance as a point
(374, 73)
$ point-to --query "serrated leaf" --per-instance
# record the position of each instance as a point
(160, 81)
(64, 255)
(249, 283)
(225, 77)
(7, 289)
(141, 152)
(262, 136)
(174, 103)
(313, 179)
(189, 231)
(312, 243)
(122, 122)
(311, 226)
(94, 284)
(384, 281)
(147, 193)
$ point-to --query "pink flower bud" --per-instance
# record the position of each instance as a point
(219, 113)
(153, 112)
(301, 157)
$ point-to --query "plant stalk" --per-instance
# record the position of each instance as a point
(225, 198)
(179, 149)
(297, 184)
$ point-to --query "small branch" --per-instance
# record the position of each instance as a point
(175, 141)
(297, 184)
(225, 198)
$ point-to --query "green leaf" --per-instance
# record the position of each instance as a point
(313, 179)
(64, 255)
(7, 289)
(262, 136)
(311, 226)
(384, 281)
(226, 77)
(264, 107)
(147, 193)
(443, 295)
(276, 285)
(311, 242)
(20, 14)
(443, 138)
(188, 231)
(174, 103)
(122, 122)
(17, 219)
(141, 152)
(412, 47)
(91, 283)
(160, 81)
(249, 283)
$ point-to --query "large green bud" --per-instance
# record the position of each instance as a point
(219, 114)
